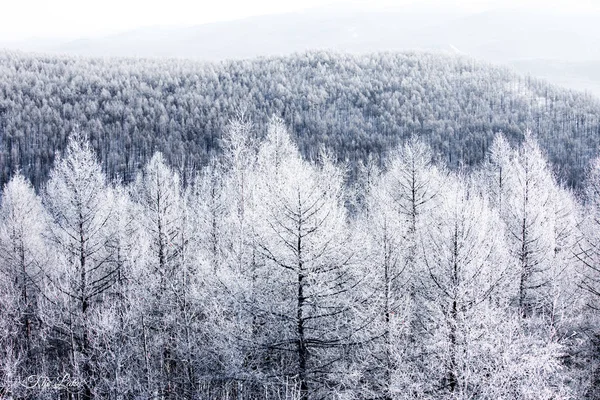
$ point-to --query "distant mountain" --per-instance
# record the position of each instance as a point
(578, 75)
(531, 42)
(356, 106)
(267, 35)
(504, 36)
(35, 44)
(497, 36)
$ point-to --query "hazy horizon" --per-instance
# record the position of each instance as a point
(71, 20)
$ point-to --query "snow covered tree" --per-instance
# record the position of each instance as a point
(230, 200)
(588, 249)
(78, 201)
(306, 276)
(497, 172)
(383, 256)
(588, 253)
(397, 207)
(239, 162)
(116, 324)
(413, 184)
(563, 293)
(22, 254)
(529, 222)
(209, 206)
(162, 219)
(465, 257)
(158, 192)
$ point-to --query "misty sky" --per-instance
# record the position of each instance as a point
(21, 19)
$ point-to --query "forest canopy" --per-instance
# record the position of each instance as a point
(320, 226)
(254, 281)
(356, 106)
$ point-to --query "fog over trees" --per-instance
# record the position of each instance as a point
(268, 275)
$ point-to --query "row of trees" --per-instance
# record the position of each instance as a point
(356, 105)
(267, 277)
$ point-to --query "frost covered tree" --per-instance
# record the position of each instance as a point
(497, 172)
(529, 222)
(209, 207)
(588, 253)
(22, 254)
(116, 324)
(413, 184)
(229, 205)
(169, 276)
(589, 245)
(564, 296)
(541, 217)
(239, 162)
(398, 205)
(158, 193)
(383, 231)
(78, 201)
(465, 257)
(306, 275)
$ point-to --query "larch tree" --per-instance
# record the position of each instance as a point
(564, 294)
(529, 222)
(22, 253)
(162, 207)
(497, 172)
(306, 275)
(209, 209)
(465, 256)
(231, 200)
(413, 183)
(77, 199)
(588, 246)
(383, 232)
(117, 323)
(588, 253)
(239, 162)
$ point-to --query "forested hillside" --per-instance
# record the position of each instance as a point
(253, 281)
(354, 105)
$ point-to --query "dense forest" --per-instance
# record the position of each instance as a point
(359, 107)
(320, 226)
(255, 281)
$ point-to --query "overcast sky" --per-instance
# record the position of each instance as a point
(21, 19)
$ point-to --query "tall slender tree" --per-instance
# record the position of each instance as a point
(465, 256)
(308, 281)
(22, 252)
(529, 221)
(77, 199)
(161, 202)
